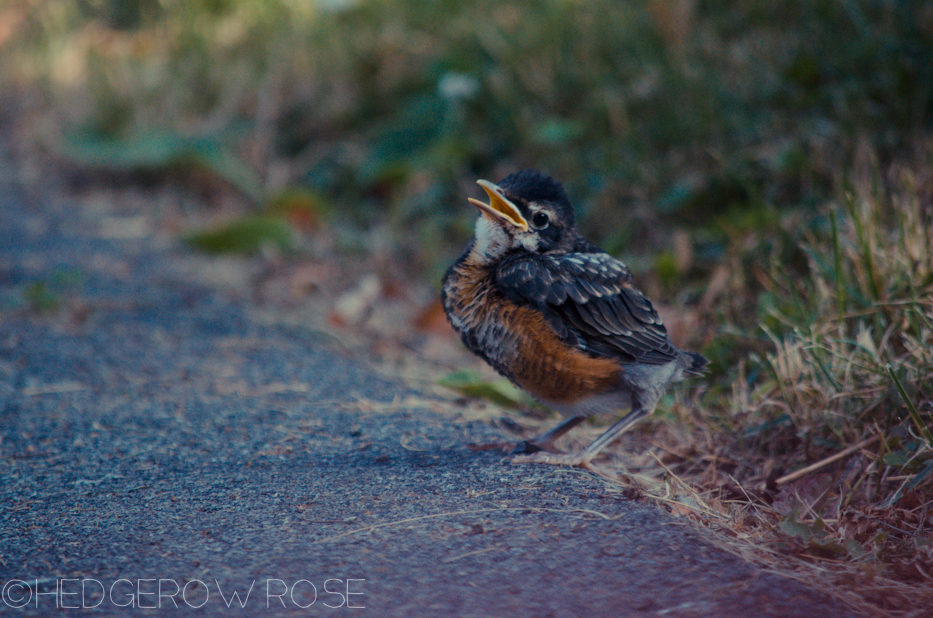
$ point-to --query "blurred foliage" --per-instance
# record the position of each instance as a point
(47, 295)
(247, 235)
(163, 151)
(652, 112)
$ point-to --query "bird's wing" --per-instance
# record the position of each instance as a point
(591, 302)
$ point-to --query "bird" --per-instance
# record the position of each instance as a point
(558, 316)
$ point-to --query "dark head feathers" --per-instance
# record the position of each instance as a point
(533, 186)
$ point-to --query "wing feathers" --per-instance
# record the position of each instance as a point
(591, 293)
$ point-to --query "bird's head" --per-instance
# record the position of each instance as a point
(527, 210)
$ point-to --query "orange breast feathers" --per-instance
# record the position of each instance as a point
(547, 367)
(519, 342)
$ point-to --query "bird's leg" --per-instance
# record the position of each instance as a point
(610, 435)
(583, 459)
(546, 441)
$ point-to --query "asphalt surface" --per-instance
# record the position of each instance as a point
(162, 448)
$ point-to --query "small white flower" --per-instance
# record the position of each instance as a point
(457, 86)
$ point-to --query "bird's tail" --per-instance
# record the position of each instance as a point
(695, 363)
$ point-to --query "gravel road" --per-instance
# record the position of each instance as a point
(161, 448)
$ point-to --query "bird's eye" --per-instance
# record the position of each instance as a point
(540, 220)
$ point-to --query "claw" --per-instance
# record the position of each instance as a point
(526, 447)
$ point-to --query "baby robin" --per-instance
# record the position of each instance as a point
(558, 316)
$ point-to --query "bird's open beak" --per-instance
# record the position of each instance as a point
(499, 207)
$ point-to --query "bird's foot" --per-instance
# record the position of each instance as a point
(555, 459)
(491, 446)
(526, 447)
(529, 447)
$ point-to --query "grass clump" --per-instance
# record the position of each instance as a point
(824, 452)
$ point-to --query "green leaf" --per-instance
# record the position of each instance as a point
(247, 235)
(215, 157)
(145, 150)
(795, 528)
(824, 544)
(855, 549)
(501, 392)
(789, 525)
(896, 458)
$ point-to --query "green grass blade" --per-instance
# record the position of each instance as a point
(911, 408)
(837, 257)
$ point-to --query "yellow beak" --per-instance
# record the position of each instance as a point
(499, 207)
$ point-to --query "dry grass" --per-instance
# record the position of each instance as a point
(821, 466)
